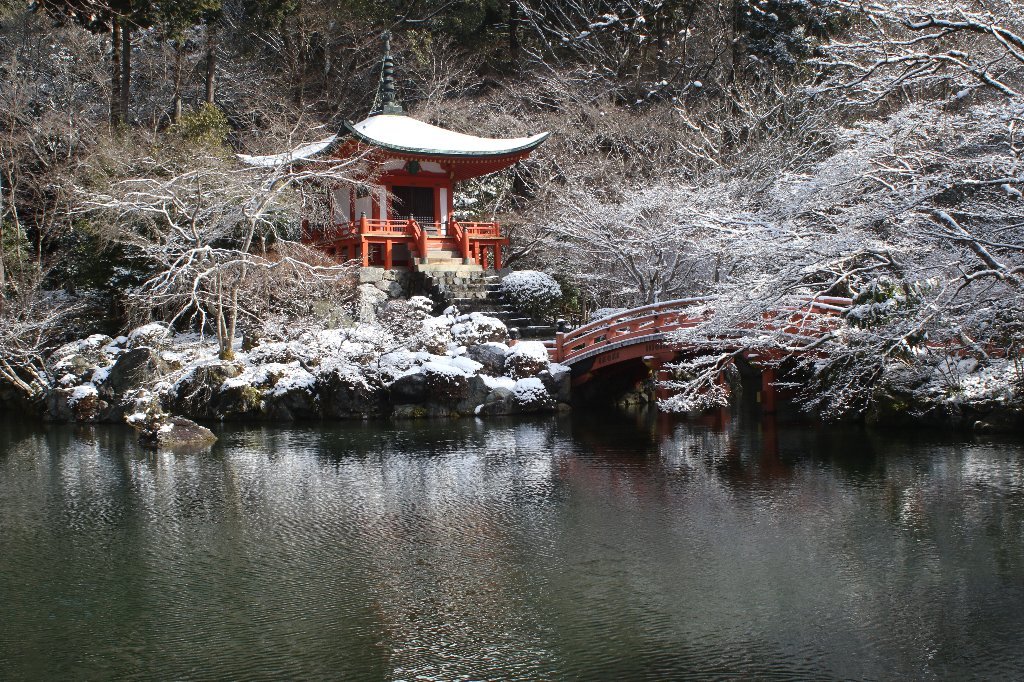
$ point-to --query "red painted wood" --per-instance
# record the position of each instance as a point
(812, 319)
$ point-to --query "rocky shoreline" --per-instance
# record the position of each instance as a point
(449, 366)
(425, 367)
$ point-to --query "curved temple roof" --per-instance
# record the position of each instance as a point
(405, 134)
(402, 134)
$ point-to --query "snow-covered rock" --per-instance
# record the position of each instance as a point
(166, 431)
(344, 392)
(154, 334)
(491, 357)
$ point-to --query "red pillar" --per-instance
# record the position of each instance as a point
(364, 252)
(387, 254)
(497, 256)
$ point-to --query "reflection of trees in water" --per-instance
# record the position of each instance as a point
(437, 537)
(435, 511)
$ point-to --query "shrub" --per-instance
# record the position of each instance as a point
(533, 292)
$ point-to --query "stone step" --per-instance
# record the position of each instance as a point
(537, 332)
(442, 268)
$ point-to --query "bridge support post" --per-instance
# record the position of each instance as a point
(768, 390)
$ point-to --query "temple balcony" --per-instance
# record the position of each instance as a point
(411, 243)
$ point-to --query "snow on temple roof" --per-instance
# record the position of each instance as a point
(298, 154)
(405, 134)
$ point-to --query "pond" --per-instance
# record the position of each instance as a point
(608, 545)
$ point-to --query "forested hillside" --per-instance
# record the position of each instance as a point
(749, 150)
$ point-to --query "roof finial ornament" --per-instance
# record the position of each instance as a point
(389, 104)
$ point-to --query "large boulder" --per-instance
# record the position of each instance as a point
(410, 389)
(344, 393)
(477, 391)
(138, 368)
(557, 380)
(293, 396)
(490, 355)
(159, 430)
(197, 394)
(79, 404)
(239, 400)
(154, 335)
(498, 402)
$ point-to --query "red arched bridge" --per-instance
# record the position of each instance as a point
(642, 333)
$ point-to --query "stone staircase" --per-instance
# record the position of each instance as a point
(440, 260)
(477, 291)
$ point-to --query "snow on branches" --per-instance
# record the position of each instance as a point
(221, 239)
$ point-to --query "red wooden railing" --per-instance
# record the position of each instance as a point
(372, 240)
(653, 322)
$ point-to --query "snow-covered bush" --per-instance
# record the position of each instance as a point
(534, 292)
(526, 359)
(446, 383)
(602, 313)
(530, 394)
(435, 335)
(478, 328)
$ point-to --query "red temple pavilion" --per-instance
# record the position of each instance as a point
(404, 215)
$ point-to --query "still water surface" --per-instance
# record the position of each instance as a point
(608, 547)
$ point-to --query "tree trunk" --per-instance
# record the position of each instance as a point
(735, 49)
(179, 50)
(211, 61)
(115, 73)
(3, 272)
(513, 35)
(126, 70)
(661, 23)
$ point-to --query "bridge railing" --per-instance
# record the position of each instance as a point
(649, 320)
(655, 320)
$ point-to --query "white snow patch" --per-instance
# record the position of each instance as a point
(298, 154)
(296, 379)
(100, 374)
(467, 365)
(532, 350)
(445, 368)
(82, 392)
(498, 382)
(406, 133)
